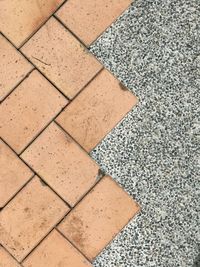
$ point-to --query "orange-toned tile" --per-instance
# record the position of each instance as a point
(96, 110)
(13, 173)
(27, 110)
(94, 222)
(56, 251)
(62, 163)
(19, 19)
(29, 217)
(60, 56)
(89, 18)
(13, 67)
(6, 260)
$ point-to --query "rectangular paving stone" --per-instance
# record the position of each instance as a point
(13, 67)
(29, 217)
(96, 110)
(89, 18)
(62, 164)
(19, 19)
(28, 109)
(95, 221)
(61, 57)
(6, 260)
(13, 174)
(56, 251)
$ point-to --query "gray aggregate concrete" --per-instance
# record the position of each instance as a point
(154, 49)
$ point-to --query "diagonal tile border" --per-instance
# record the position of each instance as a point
(98, 103)
(154, 49)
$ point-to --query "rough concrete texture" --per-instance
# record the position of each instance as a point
(154, 49)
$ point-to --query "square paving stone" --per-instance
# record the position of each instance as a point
(61, 162)
(29, 217)
(28, 109)
(96, 110)
(96, 220)
(61, 58)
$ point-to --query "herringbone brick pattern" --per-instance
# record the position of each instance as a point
(57, 103)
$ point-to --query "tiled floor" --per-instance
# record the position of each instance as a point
(57, 103)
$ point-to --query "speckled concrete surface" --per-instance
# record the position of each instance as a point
(154, 48)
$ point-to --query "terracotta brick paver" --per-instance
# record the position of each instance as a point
(57, 207)
(89, 18)
(99, 217)
(62, 163)
(29, 217)
(6, 260)
(28, 109)
(13, 173)
(61, 57)
(19, 19)
(13, 67)
(96, 110)
(56, 251)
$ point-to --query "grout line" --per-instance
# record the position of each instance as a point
(52, 83)
(37, 68)
(84, 87)
(63, 129)
(12, 90)
(60, 21)
(72, 33)
(21, 188)
(10, 255)
(35, 173)
(87, 49)
(38, 243)
(45, 76)
(136, 214)
(54, 120)
(101, 175)
(42, 130)
(40, 26)
(56, 229)
(72, 244)
(85, 195)
(77, 38)
(56, 225)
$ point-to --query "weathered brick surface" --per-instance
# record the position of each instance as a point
(57, 103)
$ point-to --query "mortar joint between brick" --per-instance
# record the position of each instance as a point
(34, 173)
(13, 89)
(41, 25)
(72, 244)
